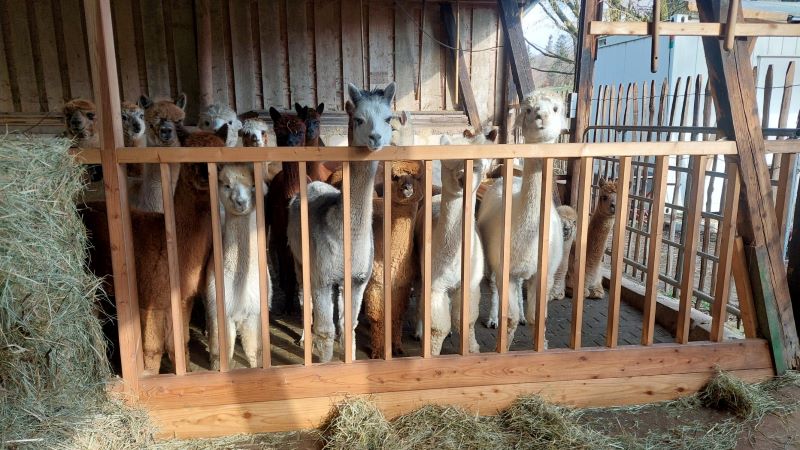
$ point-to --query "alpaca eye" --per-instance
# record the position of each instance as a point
(359, 122)
(230, 122)
(388, 119)
(90, 116)
(207, 123)
(555, 108)
(528, 110)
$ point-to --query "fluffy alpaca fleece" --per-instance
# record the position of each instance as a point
(406, 192)
(240, 260)
(217, 115)
(540, 120)
(79, 122)
(569, 222)
(600, 226)
(446, 242)
(133, 125)
(317, 170)
(162, 120)
(373, 110)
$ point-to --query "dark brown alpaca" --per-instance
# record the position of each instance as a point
(193, 235)
(317, 170)
(290, 131)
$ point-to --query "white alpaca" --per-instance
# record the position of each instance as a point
(446, 242)
(240, 260)
(540, 120)
(217, 115)
(371, 128)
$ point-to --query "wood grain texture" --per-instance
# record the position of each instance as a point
(432, 63)
(347, 251)
(448, 371)
(301, 79)
(186, 51)
(427, 230)
(387, 263)
(654, 249)
(542, 293)
(744, 290)
(219, 270)
(263, 269)
(505, 262)
(21, 63)
(305, 256)
(484, 400)
(219, 55)
(617, 243)
(727, 236)
(381, 45)
(467, 224)
(127, 60)
(328, 51)
(6, 97)
(581, 240)
(243, 57)
(273, 54)
(155, 48)
(352, 53)
(49, 55)
(467, 95)
(484, 35)
(714, 29)
(511, 16)
(406, 59)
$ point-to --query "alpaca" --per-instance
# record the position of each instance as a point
(317, 170)
(371, 117)
(193, 235)
(240, 259)
(217, 115)
(290, 131)
(406, 192)
(133, 125)
(540, 120)
(254, 133)
(569, 223)
(446, 233)
(600, 226)
(162, 119)
(79, 121)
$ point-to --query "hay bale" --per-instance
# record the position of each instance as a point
(448, 427)
(541, 425)
(356, 423)
(727, 393)
(53, 366)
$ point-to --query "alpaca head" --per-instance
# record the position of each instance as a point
(541, 118)
(254, 133)
(290, 130)
(402, 129)
(79, 118)
(311, 116)
(202, 138)
(216, 115)
(237, 188)
(569, 221)
(132, 120)
(407, 181)
(372, 114)
(607, 197)
(163, 118)
(453, 169)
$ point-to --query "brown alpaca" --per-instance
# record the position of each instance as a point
(79, 121)
(317, 170)
(569, 222)
(600, 226)
(406, 192)
(290, 131)
(193, 235)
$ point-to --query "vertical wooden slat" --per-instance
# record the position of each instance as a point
(103, 68)
(654, 249)
(219, 54)
(219, 272)
(426, 262)
(503, 343)
(49, 55)
(542, 294)
(787, 160)
(431, 95)
(155, 51)
(727, 235)
(620, 221)
(466, 255)
(242, 47)
(352, 51)
(406, 58)
(581, 240)
(387, 261)
(205, 67)
(662, 106)
(328, 42)
(484, 35)
(186, 55)
(19, 56)
(169, 47)
(744, 290)
(381, 38)
(691, 222)
(273, 54)
(126, 44)
(347, 331)
(263, 269)
(176, 315)
(227, 46)
(767, 99)
(6, 98)
(301, 84)
(305, 245)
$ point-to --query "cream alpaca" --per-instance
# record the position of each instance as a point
(600, 226)
(569, 219)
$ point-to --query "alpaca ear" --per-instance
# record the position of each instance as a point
(274, 114)
(403, 118)
(388, 93)
(354, 92)
(349, 107)
(180, 102)
(320, 108)
(144, 102)
(468, 134)
(301, 111)
(602, 182)
(492, 135)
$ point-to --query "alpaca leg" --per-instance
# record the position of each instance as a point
(475, 301)
(298, 273)
(559, 282)
(455, 316)
(521, 305)
(213, 339)
(153, 324)
(323, 331)
(251, 340)
(514, 313)
(373, 304)
(399, 306)
(492, 321)
(231, 332)
(358, 296)
(440, 320)
(594, 285)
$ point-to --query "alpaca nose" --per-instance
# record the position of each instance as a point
(75, 122)
(166, 134)
(408, 190)
(375, 139)
(613, 206)
(137, 127)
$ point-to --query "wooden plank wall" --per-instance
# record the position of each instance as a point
(265, 53)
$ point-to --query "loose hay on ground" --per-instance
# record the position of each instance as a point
(53, 365)
(449, 427)
(356, 423)
(746, 401)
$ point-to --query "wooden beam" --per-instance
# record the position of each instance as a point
(467, 95)
(106, 87)
(510, 14)
(715, 29)
(733, 89)
(204, 59)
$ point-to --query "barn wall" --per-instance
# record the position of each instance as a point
(264, 53)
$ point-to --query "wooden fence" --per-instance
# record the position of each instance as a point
(633, 113)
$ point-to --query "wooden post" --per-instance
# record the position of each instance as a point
(204, 65)
(733, 89)
(106, 94)
(520, 64)
(462, 74)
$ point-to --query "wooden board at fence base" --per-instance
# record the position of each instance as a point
(285, 415)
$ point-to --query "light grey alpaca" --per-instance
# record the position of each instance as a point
(217, 115)
(371, 117)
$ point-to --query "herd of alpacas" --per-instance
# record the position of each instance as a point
(372, 124)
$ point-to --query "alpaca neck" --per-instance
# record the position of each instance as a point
(131, 141)
(600, 224)
(239, 240)
(291, 178)
(530, 195)
(362, 179)
(448, 227)
(190, 203)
